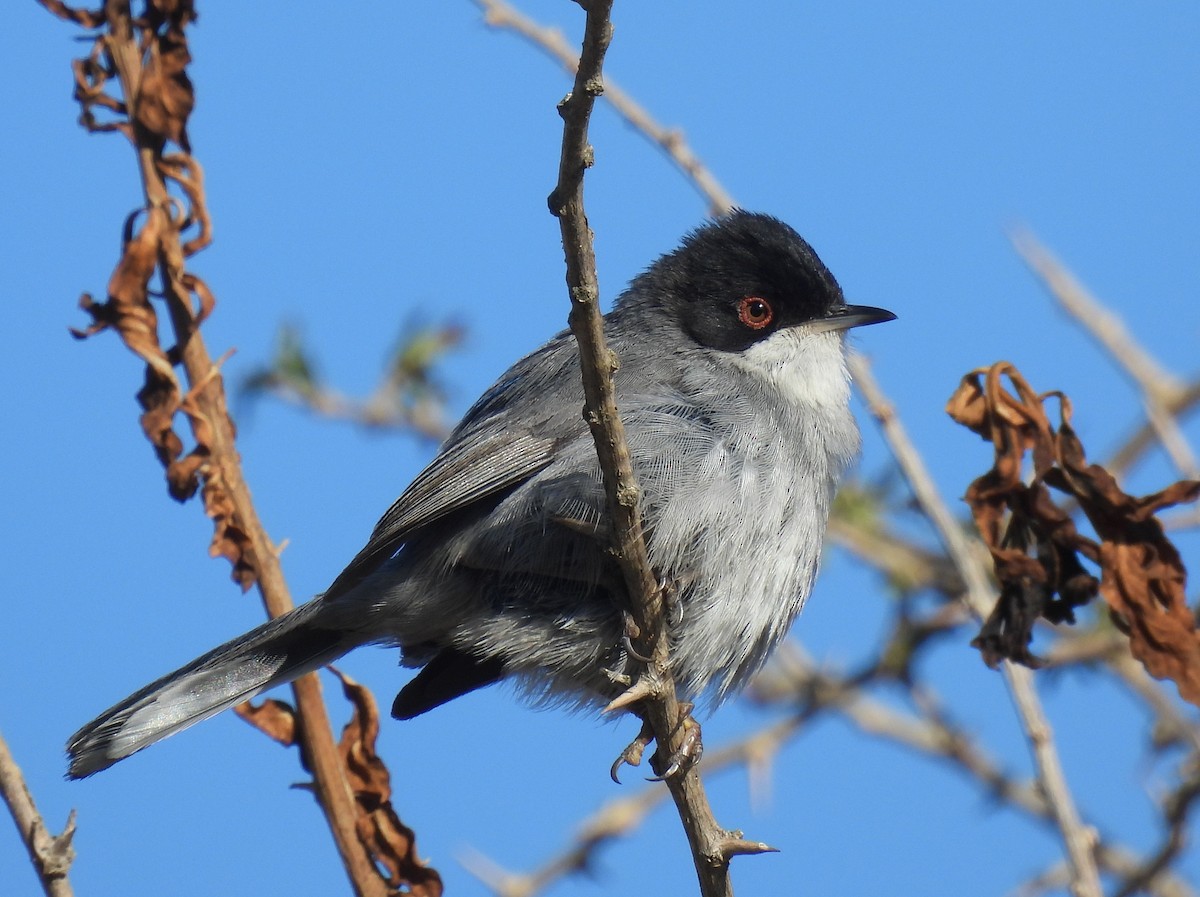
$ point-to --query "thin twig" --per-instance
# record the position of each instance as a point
(907, 565)
(794, 678)
(614, 819)
(1169, 434)
(1099, 322)
(51, 855)
(712, 847)
(223, 464)
(799, 679)
(1078, 839)
(933, 735)
(377, 412)
(1177, 806)
(1161, 390)
(1119, 861)
(498, 14)
(1189, 519)
(1170, 723)
(1146, 436)
(1056, 877)
(618, 818)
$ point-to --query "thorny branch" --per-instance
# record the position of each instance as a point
(50, 855)
(498, 14)
(911, 568)
(908, 566)
(712, 847)
(793, 681)
(1163, 393)
(148, 56)
(1078, 839)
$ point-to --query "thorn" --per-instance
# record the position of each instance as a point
(732, 847)
(644, 687)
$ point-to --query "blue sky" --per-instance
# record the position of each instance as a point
(364, 168)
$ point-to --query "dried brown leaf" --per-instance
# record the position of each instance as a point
(1144, 580)
(128, 311)
(189, 175)
(165, 96)
(230, 540)
(161, 107)
(275, 719)
(88, 18)
(391, 844)
(1037, 550)
(178, 12)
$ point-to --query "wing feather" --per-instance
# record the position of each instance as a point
(466, 471)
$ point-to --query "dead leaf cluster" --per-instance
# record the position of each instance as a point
(148, 57)
(391, 844)
(1039, 553)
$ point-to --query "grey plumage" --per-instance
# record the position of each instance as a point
(493, 563)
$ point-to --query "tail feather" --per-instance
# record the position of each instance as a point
(276, 652)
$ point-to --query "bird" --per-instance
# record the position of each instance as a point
(495, 563)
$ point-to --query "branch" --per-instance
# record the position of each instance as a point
(1162, 392)
(1078, 842)
(797, 679)
(51, 855)
(931, 734)
(908, 566)
(157, 100)
(712, 847)
(407, 397)
(1097, 321)
(498, 14)
(1170, 725)
(1119, 861)
(1145, 437)
(1078, 839)
(794, 680)
(613, 819)
(1177, 806)
(620, 817)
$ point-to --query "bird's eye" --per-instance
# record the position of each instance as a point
(755, 312)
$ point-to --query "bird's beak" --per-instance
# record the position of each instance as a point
(843, 317)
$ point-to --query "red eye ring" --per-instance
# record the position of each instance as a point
(755, 312)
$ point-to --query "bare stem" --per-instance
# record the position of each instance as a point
(223, 465)
(499, 14)
(1078, 839)
(620, 817)
(1162, 392)
(1145, 437)
(711, 845)
(51, 855)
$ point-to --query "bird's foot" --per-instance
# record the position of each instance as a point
(690, 749)
(629, 632)
(668, 587)
(687, 755)
(632, 755)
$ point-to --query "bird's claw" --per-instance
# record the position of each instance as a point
(691, 749)
(630, 632)
(632, 755)
(683, 759)
(668, 588)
